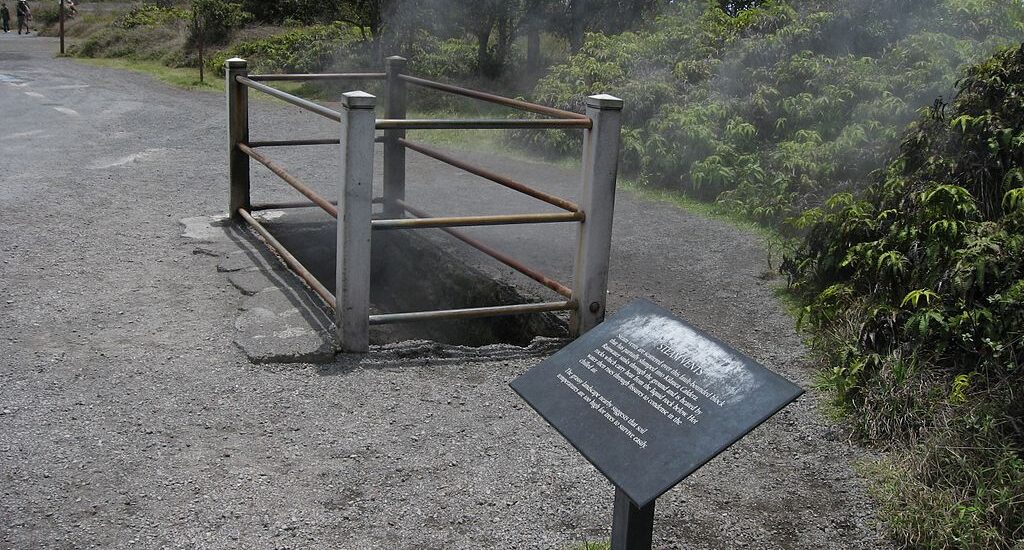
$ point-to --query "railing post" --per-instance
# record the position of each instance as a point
(238, 132)
(394, 153)
(597, 199)
(352, 275)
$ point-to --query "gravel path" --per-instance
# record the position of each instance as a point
(128, 419)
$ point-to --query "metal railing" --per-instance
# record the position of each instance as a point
(585, 298)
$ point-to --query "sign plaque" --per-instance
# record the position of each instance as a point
(648, 399)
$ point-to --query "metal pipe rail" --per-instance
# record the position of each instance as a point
(298, 204)
(492, 98)
(317, 76)
(285, 205)
(515, 264)
(480, 123)
(294, 100)
(291, 142)
(292, 262)
(489, 175)
(291, 180)
(586, 299)
(471, 221)
(471, 313)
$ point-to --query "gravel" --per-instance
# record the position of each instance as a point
(129, 419)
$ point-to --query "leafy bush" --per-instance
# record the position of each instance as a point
(774, 110)
(143, 43)
(214, 20)
(47, 15)
(916, 295)
(150, 15)
(305, 50)
(452, 59)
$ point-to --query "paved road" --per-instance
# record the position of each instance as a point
(128, 419)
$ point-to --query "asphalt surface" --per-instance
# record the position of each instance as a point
(129, 419)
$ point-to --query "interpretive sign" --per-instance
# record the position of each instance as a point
(648, 399)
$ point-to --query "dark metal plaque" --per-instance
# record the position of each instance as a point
(648, 399)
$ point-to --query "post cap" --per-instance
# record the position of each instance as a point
(358, 100)
(395, 59)
(236, 63)
(604, 101)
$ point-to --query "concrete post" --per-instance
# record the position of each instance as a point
(597, 199)
(394, 153)
(352, 275)
(238, 132)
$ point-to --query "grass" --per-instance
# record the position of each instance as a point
(187, 78)
(709, 210)
(591, 545)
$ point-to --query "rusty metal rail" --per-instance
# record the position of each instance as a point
(285, 205)
(292, 262)
(471, 313)
(290, 142)
(479, 123)
(469, 221)
(491, 98)
(294, 100)
(298, 204)
(318, 76)
(489, 175)
(291, 180)
(586, 298)
(515, 264)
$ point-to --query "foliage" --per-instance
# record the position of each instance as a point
(214, 20)
(47, 15)
(157, 43)
(915, 293)
(776, 108)
(303, 50)
(150, 15)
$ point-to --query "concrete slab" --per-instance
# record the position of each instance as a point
(276, 327)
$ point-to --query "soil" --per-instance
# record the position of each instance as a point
(129, 419)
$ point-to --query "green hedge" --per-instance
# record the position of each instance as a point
(915, 295)
(304, 50)
(772, 111)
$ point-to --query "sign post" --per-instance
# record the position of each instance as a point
(632, 527)
(649, 399)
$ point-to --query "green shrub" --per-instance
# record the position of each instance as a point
(773, 111)
(305, 50)
(46, 15)
(150, 15)
(214, 21)
(915, 296)
(142, 43)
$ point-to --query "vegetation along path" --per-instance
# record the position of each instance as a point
(129, 420)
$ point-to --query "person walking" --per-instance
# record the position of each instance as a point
(5, 17)
(24, 15)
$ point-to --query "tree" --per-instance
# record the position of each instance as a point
(574, 18)
(734, 7)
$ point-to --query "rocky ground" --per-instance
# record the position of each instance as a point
(129, 417)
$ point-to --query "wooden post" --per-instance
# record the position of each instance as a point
(632, 527)
(352, 274)
(61, 16)
(238, 132)
(597, 199)
(394, 153)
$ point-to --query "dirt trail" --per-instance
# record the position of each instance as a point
(128, 419)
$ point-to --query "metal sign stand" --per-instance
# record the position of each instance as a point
(632, 527)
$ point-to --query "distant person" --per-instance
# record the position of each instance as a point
(5, 17)
(24, 15)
